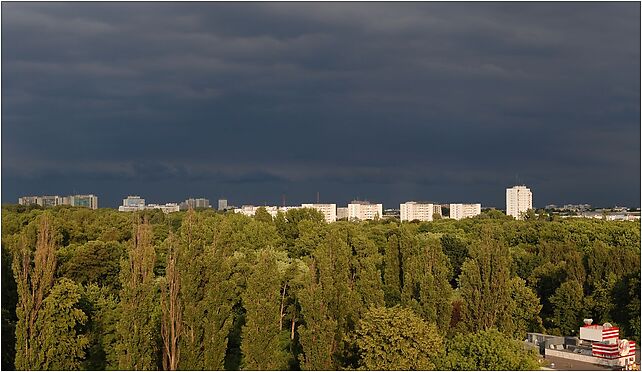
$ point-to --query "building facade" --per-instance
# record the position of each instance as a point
(132, 203)
(364, 210)
(342, 213)
(459, 211)
(436, 210)
(250, 210)
(166, 208)
(519, 199)
(194, 203)
(329, 210)
(410, 211)
(88, 201)
(222, 204)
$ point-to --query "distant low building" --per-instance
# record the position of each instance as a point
(420, 211)
(364, 210)
(329, 210)
(166, 208)
(42, 200)
(194, 203)
(391, 213)
(132, 203)
(459, 211)
(89, 201)
(342, 213)
(222, 204)
(250, 210)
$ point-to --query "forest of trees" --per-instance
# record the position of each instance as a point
(105, 290)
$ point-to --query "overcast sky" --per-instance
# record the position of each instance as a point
(449, 102)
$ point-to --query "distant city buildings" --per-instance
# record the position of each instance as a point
(519, 199)
(391, 213)
(459, 211)
(132, 203)
(364, 210)
(436, 210)
(250, 210)
(329, 210)
(410, 211)
(577, 207)
(194, 203)
(89, 201)
(166, 208)
(222, 204)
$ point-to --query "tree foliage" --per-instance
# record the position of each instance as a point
(397, 339)
(203, 290)
(489, 350)
(137, 327)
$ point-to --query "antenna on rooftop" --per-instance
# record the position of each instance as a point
(317, 197)
(283, 196)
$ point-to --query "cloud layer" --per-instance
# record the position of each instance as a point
(439, 101)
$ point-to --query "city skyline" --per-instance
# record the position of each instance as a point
(387, 102)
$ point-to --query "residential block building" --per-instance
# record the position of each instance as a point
(329, 210)
(342, 213)
(364, 210)
(519, 199)
(222, 204)
(166, 208)
(250, 210)
(459, 211)
(132, 203)
(194, 203)
(410, 211)
(89, 201)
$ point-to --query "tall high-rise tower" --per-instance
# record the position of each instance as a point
(519, 199)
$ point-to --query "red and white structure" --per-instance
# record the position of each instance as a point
(596, 344)
(606, 343)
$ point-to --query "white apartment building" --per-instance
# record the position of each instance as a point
(41, 200)
(329, 210)
(250, 210)
(519, 199)
(132, 203)
(89, 201)
(196, 203)
(222, 204)
(342, 212)
(410, 211)
(364, 210)
(167, 208)
(436, 210)
(459, 211)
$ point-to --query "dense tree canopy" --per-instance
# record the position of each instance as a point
(206, 290)
(398, 339)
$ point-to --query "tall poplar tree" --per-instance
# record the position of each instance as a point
(60, 346)
(263, 344)
(193, 269)
(208, 291)
(171, 308)
(484, 283)
(392, 272)
(427, 288)
(317, 336)
(137, 329)
(33, 281)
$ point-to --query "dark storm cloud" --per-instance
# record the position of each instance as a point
(441, 101)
